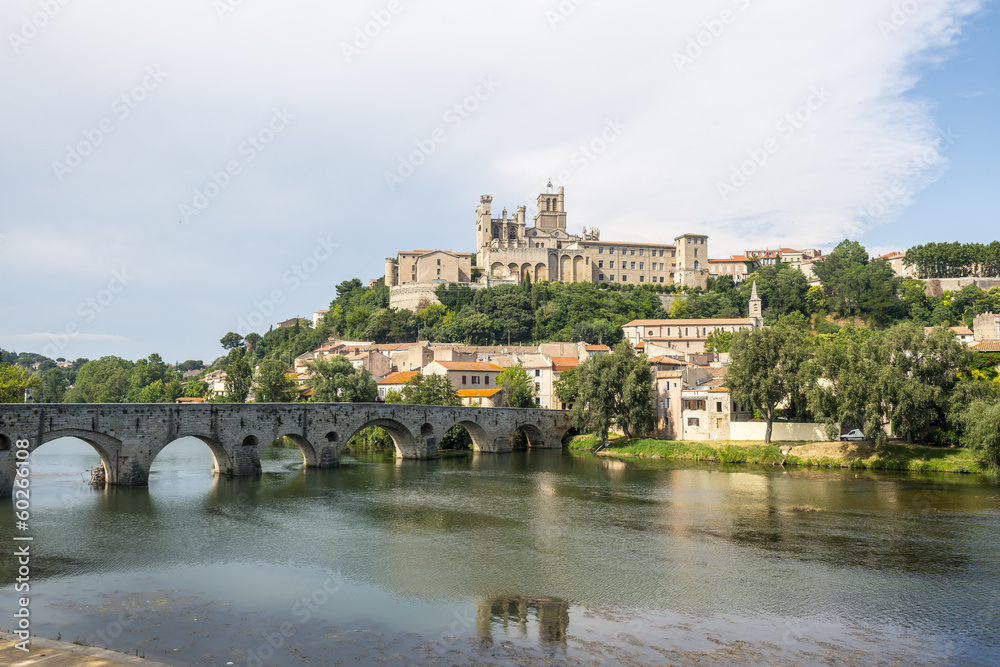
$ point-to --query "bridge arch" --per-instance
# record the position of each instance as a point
(5, 443)
(107, 447)
(481, 440)
(310, 457)
(534, 434)
(404, 440)
(223, 462)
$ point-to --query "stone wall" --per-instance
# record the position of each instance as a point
(938, 286)
(129, 437)
(780, 432)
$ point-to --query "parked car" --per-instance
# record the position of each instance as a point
(856, 434)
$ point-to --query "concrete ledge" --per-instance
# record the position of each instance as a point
(51, 653)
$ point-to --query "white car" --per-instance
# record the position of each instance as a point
(856, 434)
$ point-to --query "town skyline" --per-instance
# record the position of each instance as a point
(271, 185)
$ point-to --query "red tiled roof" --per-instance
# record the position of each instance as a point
(480, 366)
(560, 364)
(399, 378)
(987, 346)
(477, 393)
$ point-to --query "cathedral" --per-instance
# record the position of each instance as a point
(508, 249)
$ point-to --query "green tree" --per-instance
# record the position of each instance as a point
(239, 376)
(518, 390)
(719, 341)
(14, 381)
(764, 367)
(982, 430)
(271, 383)
(104, 380)
(429, 390)
(566, 387)
(615, 390)
(231, 340)
(53, 387)
(335, 380)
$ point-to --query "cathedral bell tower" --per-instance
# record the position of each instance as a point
(756, 314)
(551, 210)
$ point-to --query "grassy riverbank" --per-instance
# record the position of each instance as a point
(854, 455)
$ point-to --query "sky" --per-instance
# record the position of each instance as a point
(171, 170)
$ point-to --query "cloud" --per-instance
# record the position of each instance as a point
(698, 90)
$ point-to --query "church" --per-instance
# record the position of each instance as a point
(507, 248)
(509, 251)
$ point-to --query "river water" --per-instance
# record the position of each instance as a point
(512, 559)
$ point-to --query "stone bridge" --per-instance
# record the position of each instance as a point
(128, 437)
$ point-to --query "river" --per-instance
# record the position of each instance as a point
(512, 559)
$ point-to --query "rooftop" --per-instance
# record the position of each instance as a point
(481, 366)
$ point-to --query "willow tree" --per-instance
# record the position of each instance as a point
(765, 368)
(615, 390)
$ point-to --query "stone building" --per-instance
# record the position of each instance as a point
(986, 326)
(507, 248)
(688, 336)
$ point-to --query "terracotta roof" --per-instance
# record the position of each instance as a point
(560, 364)
(481, 366)
(597, 348)
(987, 346)
(669, 360)
(477, 393)
(399, 378)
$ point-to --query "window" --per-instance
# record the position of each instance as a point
(686, 331)
(640, 251)
(695, 252)
(538, 374)
(600, 276)
(661, 253)
(694, 404)
(588, 261)
(651, 332)
(464, 380)
(633, 265)
(718, 406)
(633, 251)
(661, 279)
(661, 266)
(538, 387)
(611, 265)
(640, 265)
(538, 401)
(612, 277)
(624, 279)
(439, 262)
(475, 379)
(642, 279)
(611, 251)
(486, 379)
(600, 251)
(718, 423)
(667, 401)
(439, 272)
(693, 421)
(600, 264)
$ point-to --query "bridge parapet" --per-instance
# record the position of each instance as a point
(128, 437)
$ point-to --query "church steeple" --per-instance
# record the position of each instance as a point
(756, 316)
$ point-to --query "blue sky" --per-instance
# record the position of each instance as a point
(174, 168)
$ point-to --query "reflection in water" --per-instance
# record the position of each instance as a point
(551, 616)
(418, 542)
